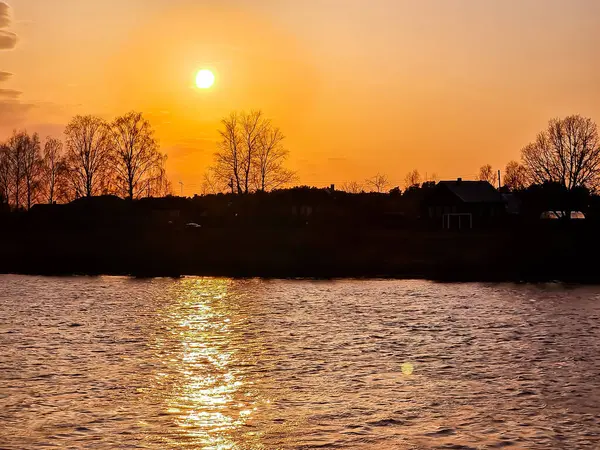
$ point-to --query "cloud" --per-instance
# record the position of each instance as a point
(5, 76)
(4, 15)
(8, 40)
(10, 94)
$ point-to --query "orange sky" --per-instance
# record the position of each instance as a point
(357, 86)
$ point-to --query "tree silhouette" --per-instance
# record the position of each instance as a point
(32, 166)
(53, 169)
(567, 152)
(135, 154)
(157, 183)
(88, 155)
(5, 173)
(20, 169)
(379, 182)
(515, 176)
(269, 159)
(486, 173)
(230, 157)
(412, 179)
(251, 155)
(352, 187)
(15, 164)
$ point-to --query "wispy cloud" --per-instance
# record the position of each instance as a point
(4, 15)
(8, 39)
(10, 94)
(5, 76)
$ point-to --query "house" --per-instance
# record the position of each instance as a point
(464, 204)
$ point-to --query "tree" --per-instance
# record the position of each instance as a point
(379, 182)
(4, 174)
(88, 155)
(157, 183)
(271, 154)
(251, 154)
(32, 165)
(515, 176)
(253, 127)
(567, 152)
(53, 169)
(135, 154)
(352, 187)
(211, 184)
(15, 148)
(229, 158)
(486, 173)
(412, 179)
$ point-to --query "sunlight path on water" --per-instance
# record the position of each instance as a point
(210, 399)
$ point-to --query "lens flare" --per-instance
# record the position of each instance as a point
(407, 369)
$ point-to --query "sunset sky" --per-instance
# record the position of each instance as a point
(357, 86)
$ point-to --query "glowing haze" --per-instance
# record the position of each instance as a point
(358, 87)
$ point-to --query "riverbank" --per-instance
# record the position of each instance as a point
(525, 254)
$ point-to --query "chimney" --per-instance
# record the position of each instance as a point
(458, 180)
(332, 188)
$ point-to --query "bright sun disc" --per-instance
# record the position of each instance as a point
(205, 79)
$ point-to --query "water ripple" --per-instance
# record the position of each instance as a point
(246, 364)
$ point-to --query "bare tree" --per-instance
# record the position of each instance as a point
(253, 126)
(515, 176)
(251, 154)
(32, 165)
(269, 159)
(157, 184)
(5, 175)
(379, 182)
(53, 169)
(88, 155)
(486, 173)
(135, 154)
(211, 184)
(412, 179)
(352, 187)
(230, 158)
(567, 152)
(15, 148)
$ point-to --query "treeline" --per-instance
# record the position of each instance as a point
(95, 157)
(566, 154)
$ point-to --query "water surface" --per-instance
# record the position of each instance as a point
(248, 364)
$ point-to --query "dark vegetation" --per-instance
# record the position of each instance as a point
(302, 232)
(100, 208)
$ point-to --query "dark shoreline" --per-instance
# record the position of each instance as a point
(537, 254)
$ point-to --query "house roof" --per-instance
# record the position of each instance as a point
(473, 191)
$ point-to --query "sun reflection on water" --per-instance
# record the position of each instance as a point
(209, 402)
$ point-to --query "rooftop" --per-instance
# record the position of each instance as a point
(473, 191)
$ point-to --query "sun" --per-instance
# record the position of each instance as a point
(205, 79)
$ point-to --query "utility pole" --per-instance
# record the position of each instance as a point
(181, 183)
(499, 184)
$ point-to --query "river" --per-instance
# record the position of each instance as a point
(206, 363)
